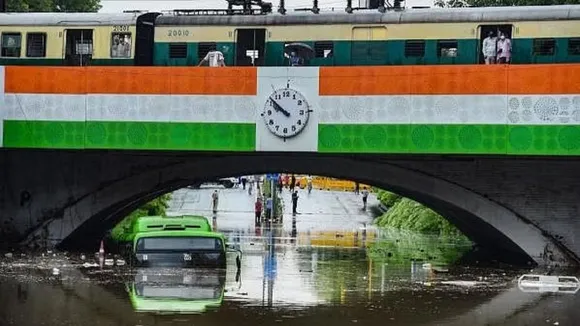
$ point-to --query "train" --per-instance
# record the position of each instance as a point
(431, 36)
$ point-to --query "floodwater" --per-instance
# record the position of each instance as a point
(293, 273)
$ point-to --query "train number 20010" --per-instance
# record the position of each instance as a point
(121, 28)
(178, 32)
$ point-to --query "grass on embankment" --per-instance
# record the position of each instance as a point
(406, 214)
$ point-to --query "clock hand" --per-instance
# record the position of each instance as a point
(279, 108)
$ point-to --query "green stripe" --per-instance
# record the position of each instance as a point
(130, 135)
(450, 139)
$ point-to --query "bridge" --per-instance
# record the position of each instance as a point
(492, 148)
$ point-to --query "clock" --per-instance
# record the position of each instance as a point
(286, 112)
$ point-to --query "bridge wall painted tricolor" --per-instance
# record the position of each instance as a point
(514, 109)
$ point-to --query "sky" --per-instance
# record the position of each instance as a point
(111, 6)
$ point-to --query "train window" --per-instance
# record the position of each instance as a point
(447, 48)
(415, 48)
(177, 50)
(120, 45)
(574, 46)
(36, 45)
(544, 46)
(11, 45)
(323, 49)
(203, 48)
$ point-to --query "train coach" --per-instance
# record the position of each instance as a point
(434, 36)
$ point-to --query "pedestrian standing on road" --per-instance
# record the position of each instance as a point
(244, 180)
(269, 208)
(280, 184)
(309, 181)
(292, 183)
(258, 209)
(356, 188)
(365, 196)
(294, 202)
(214, 199)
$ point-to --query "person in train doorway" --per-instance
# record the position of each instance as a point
(504, 49)
(292, 183)
(294, 202)
(489, 48)
(214, 200)
(295, 60)
(258, 209)
(213, 59)
(365, 196)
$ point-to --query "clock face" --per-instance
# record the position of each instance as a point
(286, 112)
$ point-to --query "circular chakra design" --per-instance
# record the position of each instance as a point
(527, 115)
(422, 137)
(569, 138)
(576, 115)
(546, 108)
(446, 107)
(520, 138)
(375, 137)
(576, 102)
(470, 137)
(137, 134)
(527, 102)
(514, 103)
(564, 103)
(96, 133)
(329, 136)
(513, 117)
(54, 133)
(564, 116)
(179, 135)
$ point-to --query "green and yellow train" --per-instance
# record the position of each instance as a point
(542, 34)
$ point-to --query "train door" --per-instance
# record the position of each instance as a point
(78, 45)
(484, 31)
(250, 47)
(369, 46)
(145, 39)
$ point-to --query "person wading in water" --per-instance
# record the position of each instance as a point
(214, 199)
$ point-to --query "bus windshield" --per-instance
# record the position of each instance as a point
(179, 243)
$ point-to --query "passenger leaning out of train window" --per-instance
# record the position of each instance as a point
(295, 60)
(214, 59)
(489, 48)
(504, 49)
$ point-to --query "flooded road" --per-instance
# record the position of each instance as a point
(324, 266)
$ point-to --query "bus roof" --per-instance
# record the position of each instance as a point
(174, 223)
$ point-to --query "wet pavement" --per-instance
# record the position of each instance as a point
(324, 266)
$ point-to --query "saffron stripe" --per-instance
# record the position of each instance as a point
(131, 80)
(456, 79)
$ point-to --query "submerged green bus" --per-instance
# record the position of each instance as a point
(181, 241)
(182, 291)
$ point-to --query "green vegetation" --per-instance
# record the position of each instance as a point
(156, 207)
(53, 5)
(406, 214)
(401, 247)
(501, 3)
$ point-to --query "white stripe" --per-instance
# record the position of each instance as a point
(2, 106)
(410, 109)
(451, 109)
(143, 108)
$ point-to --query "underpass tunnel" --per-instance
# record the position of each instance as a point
(494, 241)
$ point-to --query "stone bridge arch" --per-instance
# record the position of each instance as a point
(487, 223)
